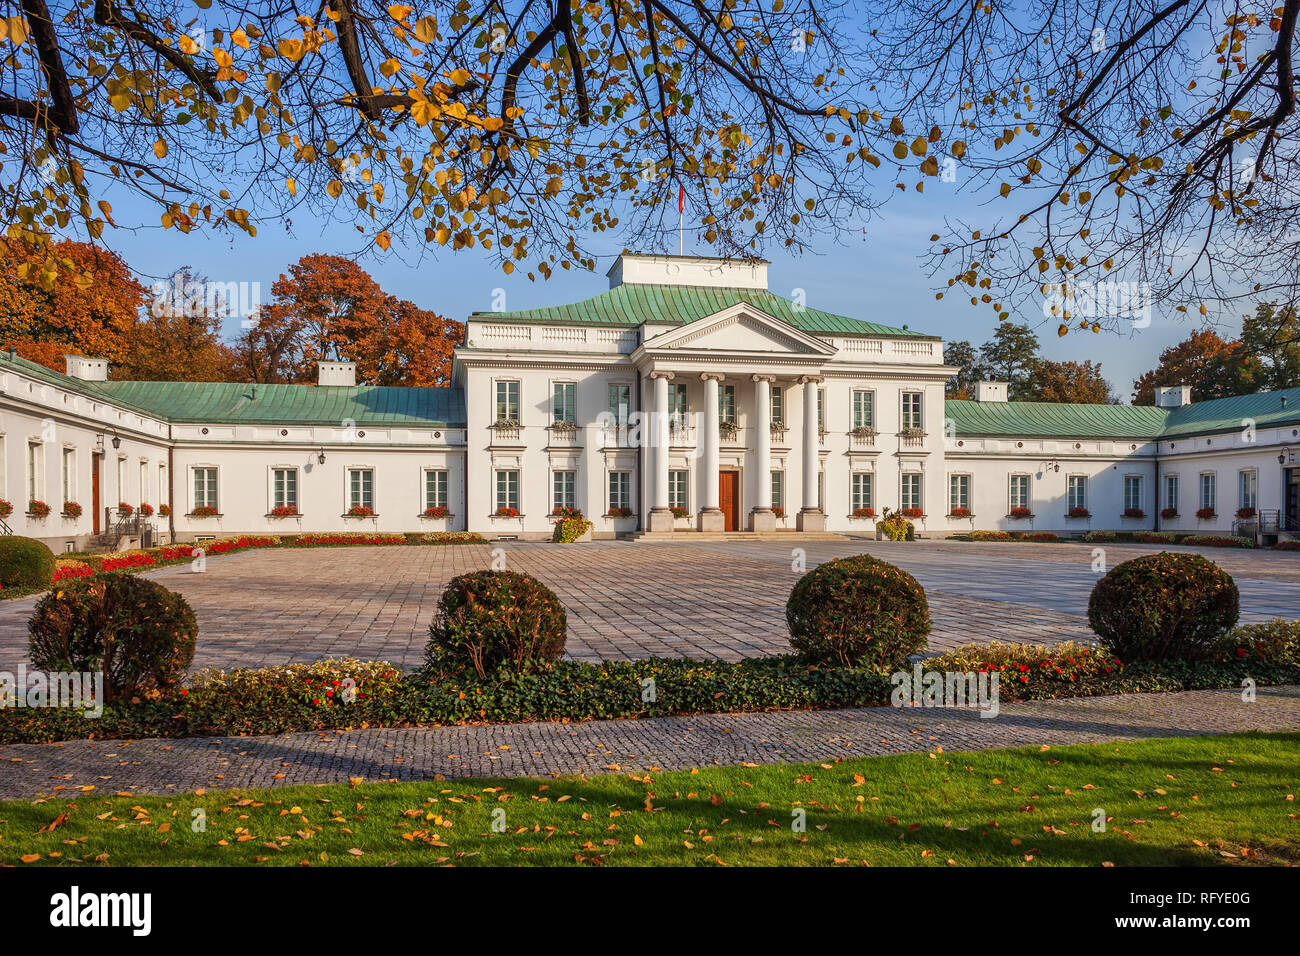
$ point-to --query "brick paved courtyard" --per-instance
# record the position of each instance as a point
(627, 600)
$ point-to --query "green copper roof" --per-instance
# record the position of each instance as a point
(1053, 420)
(630, 304)
(1265, 409)
(293, 404)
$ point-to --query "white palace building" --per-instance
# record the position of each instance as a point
(687, 398)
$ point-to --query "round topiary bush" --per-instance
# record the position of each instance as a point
(25, 563)
(1162, 606)
(858, 612)
(492, 618)
(136, 632)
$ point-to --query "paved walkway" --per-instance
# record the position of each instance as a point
(718, 600)
(668, 743)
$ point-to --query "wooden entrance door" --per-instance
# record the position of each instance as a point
(729, 499)
(95, 461)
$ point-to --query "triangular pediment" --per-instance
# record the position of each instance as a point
(740, 329)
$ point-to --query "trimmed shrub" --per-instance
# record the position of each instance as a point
(568, 530)
(858, 612)
(1163, 606)
(1217, 541)
(492, 618)
(25, 563)
(1275, 641)
(133, 630)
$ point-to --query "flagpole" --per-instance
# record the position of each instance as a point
(681, 206)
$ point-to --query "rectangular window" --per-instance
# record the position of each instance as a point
(620, 402)
(435, 488)
(507, 490)
(361, 488)
(1133, 492)
(677, 481)
(912, 410)
(620, 489)
(284, 488)
(144, 481)
(864, 408)
(1171, 491)
(1019, 491)
(205, 487)
(564, 489)
(564, 402)
(958, 492)
(778, 405)
(1248, 488)
(821, 410)
(778, 489)
(861, 490)
(507, 401)
(164, 493)
(69, 474)
(911, 496)
(679, 410)
(1208, 491)
(1076, 493)
(727, 403)
(121, 479)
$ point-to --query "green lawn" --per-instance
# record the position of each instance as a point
(1189, 801)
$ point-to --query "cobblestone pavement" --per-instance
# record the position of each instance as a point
(633, 600)
(668, 743)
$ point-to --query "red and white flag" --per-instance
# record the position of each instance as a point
(681, 199)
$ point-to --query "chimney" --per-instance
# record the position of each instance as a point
(1173, 396)
(990, 391)
(338, 373)
(87, 369)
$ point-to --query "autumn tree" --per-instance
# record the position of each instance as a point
(1272, 335)
(328, 308)
(1212, 367)
(85, 302)
(179, 336)
(1076, 383)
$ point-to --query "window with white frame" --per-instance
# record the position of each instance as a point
(507, 489)
(778, 405)
(958, 492)
(284, 488)
(912, 417)
(620, 402)
(821, 409)
(861, 490)
(620, 489)
(164, 493)
(727, 403)
(69, 474)
(435, 488)
(1019, 491)
(4, 466)
(121, 480)
(1076, 492)
(507, 401)
(564, 402)
(34, 450)
(1248, 488)
(778, 489)
(864, 408)
(205, 488)
(564, 489)
(144, 482)
(677, 484)
(1171, 491)
(361, 488)
(679, 409)
(1133, 492)
(1209, 491)
(911, 492)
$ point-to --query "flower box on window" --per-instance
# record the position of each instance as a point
(38, 509)
(1206, 514)
(285, 511)
(912, 432)
(961, 513)
(560, 426)
(779, 513)
(437, 511)
(1245, 514)
(505, 511)
(1019, 513)
(562, 513)
(71, 509)
(1134, 513)
(124, 510)
(6, 508)
(1168, 513)
(145, 509)
(204, 511)
(505, 423)
(360, 511)
(863, 431)
(728, 429)
(1078, 512)
(863, 513)
(679, 512)
(912, 513)
(164, 511)
(619, 513)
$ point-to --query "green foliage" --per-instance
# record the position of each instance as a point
(25, 563)
(568, 530)
(858, 612)
(136, 632)
(488, 619)
(1163, 606)
(1275, 641)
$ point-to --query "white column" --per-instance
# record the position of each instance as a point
(761, 518)
(661, 518)
(711, 515)
(810, 517)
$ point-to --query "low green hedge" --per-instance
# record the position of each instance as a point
(315, 696)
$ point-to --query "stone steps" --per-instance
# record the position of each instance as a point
(794, 537)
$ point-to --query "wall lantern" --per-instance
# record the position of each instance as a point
(117, 442)
(320, 458)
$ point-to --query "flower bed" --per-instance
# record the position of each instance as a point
(1040, 536)
(71, 568)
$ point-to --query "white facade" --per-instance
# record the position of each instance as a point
(686, 398)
